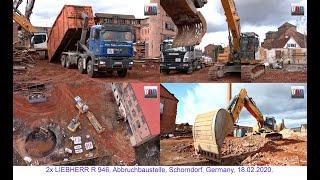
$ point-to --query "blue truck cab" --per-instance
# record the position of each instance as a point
(112, 48)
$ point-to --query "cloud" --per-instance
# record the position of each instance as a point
(258, 16)
(46, 11)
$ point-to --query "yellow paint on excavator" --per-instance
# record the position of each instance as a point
(209, 131)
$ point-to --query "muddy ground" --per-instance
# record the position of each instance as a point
(274, 75)
(249, 150)
(200, 76)
(44, 71)
(270, 75)
(111, 147)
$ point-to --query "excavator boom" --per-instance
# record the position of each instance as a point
(242, 100)
(190, 23)
(233, 21)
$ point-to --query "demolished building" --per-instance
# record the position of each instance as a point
(285, 45)
(138, 111)
(168, 111)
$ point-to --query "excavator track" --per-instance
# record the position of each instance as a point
(251, 72)
(190, 23)
(216, 71)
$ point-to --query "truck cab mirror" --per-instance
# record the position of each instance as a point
(161, 47)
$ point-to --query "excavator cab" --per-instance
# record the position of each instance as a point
(249, 44)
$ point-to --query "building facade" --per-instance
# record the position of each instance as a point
(286, 45)
(139, 112)
(160, 27)
(168, 111)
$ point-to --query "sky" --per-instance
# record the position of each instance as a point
(273, 99)
(259, 16)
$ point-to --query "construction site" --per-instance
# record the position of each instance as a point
(216, 139)
(66, 123)
(281, 57)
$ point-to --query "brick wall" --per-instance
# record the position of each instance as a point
(168, 117)
(158, 30)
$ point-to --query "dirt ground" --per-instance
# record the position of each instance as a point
(111, 147)
(53, 72)
(200, 76)
(282, 76)
(271, 75)
(249, 150)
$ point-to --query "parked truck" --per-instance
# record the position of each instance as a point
(184, 59)
(76, 41)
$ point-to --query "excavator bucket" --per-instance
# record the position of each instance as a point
(209, 131)
(190, 23)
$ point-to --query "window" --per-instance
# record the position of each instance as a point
(169, 26)
(138, 124)
(142, 121)
(161, 106)
(133, 112)
(291, 45)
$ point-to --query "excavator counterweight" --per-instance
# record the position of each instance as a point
(190, 23)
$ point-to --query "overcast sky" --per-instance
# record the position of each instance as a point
(259, 16)
(273, 99)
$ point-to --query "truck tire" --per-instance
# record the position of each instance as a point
(190, 70)
(90, 70)
(80, 66)
(68, 62)
(166, 71)
(122, 73)
(63, 61)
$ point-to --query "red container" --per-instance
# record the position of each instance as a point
(66, 30)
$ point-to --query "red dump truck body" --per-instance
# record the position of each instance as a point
(66, 30)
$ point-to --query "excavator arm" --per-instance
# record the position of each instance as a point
(233, 21)
(242, 100)
(24, 20)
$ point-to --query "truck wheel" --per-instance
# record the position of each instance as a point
(166, 71)
(80, 66)
(90, 70)
(68, 63)
(122, 73)
(63, 61)
(190, 70)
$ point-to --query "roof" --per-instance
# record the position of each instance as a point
(280, 38)
(172, 95)
(116, 16)
(286, 25)
(149, 106)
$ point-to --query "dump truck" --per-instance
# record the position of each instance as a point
(210, 129)
(77, 42)
(184, 59)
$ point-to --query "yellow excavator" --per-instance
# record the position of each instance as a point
(210, 129)
(267, 126)
(192, 27)
(37, 39)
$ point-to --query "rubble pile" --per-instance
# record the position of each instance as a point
(238, 146)
(23, 59)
